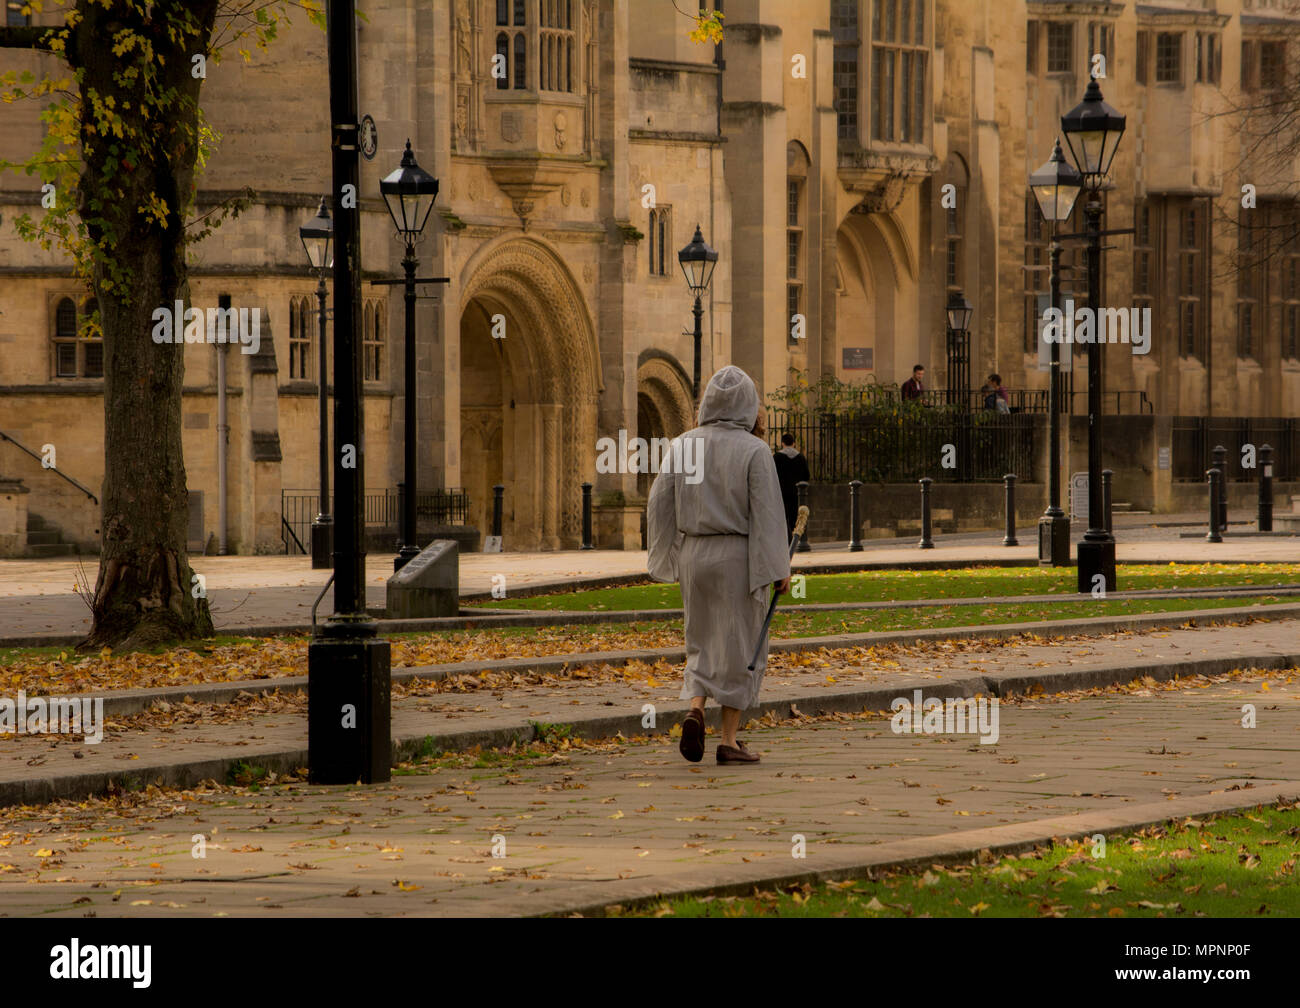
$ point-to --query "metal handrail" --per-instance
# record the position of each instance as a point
(289, 528)
(24, 448)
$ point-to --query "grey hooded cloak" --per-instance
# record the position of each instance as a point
(719, 529)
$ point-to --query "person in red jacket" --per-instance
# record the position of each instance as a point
(914, 386)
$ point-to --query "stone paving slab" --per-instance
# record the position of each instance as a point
(273, 732)
(586, 828)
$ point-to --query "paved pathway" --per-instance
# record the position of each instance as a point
(579, 828)
(37, 597)
(261, 725)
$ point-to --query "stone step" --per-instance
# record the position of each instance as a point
(60, 549)
(44, 538)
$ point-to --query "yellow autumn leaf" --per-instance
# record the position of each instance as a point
(617, 815)
(44, 852)
(979, 908)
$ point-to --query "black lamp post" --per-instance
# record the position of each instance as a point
(959, 312)
(348, 667)
(1093, 131)
(409, 192)
(1056, 187)
(317, 239)
(697, 261)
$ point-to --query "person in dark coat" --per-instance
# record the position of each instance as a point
(791, 469)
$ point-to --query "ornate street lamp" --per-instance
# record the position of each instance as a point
(1056, 187)
(1093, 131)
(317, 241)
(698, 261)
(959, 312)
(409, 192)
(349, 727)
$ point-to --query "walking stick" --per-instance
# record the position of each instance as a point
(800, 524)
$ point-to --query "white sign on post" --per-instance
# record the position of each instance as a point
(1079, 496)
(1066, 356)
(492, 544)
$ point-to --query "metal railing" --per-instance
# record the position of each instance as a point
(1118, 401)
(63, 476)
(903, 446)
(299, 507)
(1194, 439)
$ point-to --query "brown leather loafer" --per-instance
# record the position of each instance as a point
(692, 743)
(736, 754)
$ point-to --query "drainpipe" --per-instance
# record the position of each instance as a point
(223, 438)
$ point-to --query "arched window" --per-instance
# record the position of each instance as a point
(75, 357)
(955, 221)
(555, 46)
(299, 338)
(502, 61)
(796, 158)
(65, 337)
(661, 240)
(521, 62)
(65, 320)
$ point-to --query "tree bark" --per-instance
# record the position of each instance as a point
(145, 593)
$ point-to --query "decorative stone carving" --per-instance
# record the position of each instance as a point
(584, 197)
(561, 124)
(885, 197)
(565, 196)
(512, 128)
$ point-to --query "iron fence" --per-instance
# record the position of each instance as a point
(1195, 438)
(903, 445)
(1113, 401)
(382, 508)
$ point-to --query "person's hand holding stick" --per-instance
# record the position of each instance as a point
(801, 522)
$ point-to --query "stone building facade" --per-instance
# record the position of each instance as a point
(580, 142)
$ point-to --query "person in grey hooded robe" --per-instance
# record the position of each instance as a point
(715, 523)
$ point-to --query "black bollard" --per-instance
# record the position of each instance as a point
(926, 542)
(1106, 476)
(1265, 488)
(401, 512)
(1212, 477)
(1221, 463)
(802, 487)
(1010, 538)
(855, 516)
(498, 505)
(586, 517)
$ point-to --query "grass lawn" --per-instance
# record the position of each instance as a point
(1234, 866)
(792, 623)
(901, 585)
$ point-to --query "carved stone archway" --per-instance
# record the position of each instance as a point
(544, 392)
(661, 381)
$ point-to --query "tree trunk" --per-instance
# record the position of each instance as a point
(145, 593)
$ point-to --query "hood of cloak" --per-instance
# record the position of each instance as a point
(730, 398)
